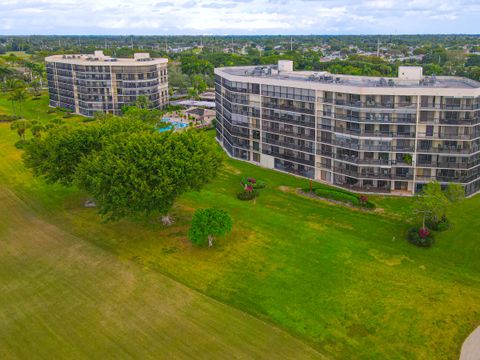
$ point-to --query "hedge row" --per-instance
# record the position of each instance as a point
(343, 196)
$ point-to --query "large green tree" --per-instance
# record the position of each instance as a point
(56, 155)
(208, 223)
(142, 173)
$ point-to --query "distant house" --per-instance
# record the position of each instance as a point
(204, 116)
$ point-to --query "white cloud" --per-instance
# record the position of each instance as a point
(237, 16)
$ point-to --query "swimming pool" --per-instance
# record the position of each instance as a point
(174, 125)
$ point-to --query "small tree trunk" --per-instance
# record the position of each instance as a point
(210, 241)
(423, 222)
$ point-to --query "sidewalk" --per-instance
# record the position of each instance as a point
(471, 346)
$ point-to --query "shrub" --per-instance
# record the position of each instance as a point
(247, 195)
(420, 237)
(338, 196)
(20, 144)
(259, 185)
(441, 225)
(8, 118)
(254, 183)
(343, 196)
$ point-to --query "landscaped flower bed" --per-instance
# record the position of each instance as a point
(250, 188)
(422, 237)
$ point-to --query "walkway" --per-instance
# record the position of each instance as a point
(471, 346)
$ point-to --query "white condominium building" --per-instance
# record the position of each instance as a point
(368, 134)
(87, 84)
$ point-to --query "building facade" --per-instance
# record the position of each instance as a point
(366, 134)
(87, 84)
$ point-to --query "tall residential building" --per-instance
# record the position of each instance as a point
(87, 84)
(368, 134)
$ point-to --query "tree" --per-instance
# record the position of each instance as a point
(455, 192)
(5, 72)
(432, 203)
(17, 95)
(21, 127)
(142, 173)
(56, 156)
(37, 129)
(36, 87)
(142, 102)
(208, 223)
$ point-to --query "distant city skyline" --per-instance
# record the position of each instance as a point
(237, 17)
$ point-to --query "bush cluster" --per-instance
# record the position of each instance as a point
(420, 237)
(7, 118)
(345, 197)
(247, 195)
(441, 225)
(250, 188)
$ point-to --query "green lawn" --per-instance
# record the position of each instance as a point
(344, 281)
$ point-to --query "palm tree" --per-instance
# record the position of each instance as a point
(17, 95)
(12, 84)
(5, 71)
(35, 86)
(39, 71)
(37, 130)
(21, 126)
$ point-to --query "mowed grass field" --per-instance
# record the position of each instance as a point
(345, 282)
(62, 297)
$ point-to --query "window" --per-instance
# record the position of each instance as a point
(429, 131)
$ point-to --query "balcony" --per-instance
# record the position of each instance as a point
(448, 150)
(289, 157)
(275, 106)
(289, 120)
(289, 145)
(310, 136)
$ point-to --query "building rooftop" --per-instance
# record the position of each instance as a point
(98, 58)
(409, 77)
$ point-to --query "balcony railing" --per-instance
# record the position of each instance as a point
(289, 157)
(288, 108)
(284, 119)
(448, 150)
(290, 133)
(290, 145)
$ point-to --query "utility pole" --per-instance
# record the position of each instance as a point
(166, 46)
(378, 47)
(291, 44)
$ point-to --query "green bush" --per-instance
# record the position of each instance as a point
(441, 225)
(20, 144)
(342, 196)
(7, 118)
(415, 238)
(247, 195)
(259, 184)
(338, 196)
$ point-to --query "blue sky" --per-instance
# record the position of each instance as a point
(231, 17)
